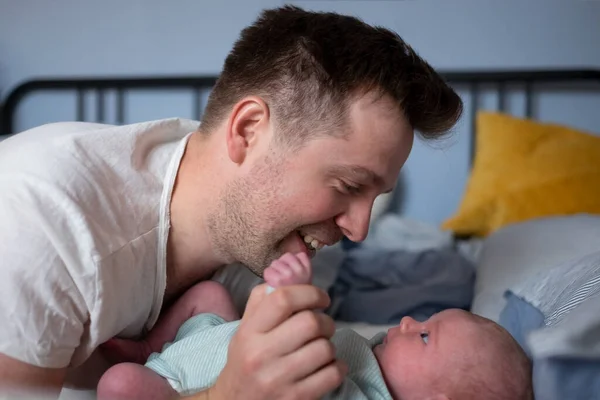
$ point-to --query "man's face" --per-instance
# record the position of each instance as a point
(296, 201)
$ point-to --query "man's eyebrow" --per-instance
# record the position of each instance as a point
(361, 173)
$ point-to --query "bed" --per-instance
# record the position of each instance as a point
(527, 225)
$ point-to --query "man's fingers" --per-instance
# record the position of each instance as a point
(298, 330)
(253, 304)
(297, 366)
(322, 382)
(309, 359)
(267, 312)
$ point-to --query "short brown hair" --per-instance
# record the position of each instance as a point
(306, 65)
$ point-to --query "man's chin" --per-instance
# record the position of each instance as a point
(257, 267)
(292, 243)
(258, 271)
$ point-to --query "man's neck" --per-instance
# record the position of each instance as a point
(190, 256)
(184, 271)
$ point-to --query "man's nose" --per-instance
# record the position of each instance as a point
(354, 223)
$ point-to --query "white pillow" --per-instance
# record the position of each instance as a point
(519, 251)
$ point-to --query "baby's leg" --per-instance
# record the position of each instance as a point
(132, 381)
(289, 269)
(204, 297)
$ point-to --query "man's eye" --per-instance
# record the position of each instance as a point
(425, 337)
(350, 189)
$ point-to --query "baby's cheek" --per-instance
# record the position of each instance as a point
(402, 371)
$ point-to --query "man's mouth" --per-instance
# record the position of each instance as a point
(311, 242)
(299, 241)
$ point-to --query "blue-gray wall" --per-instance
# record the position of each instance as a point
(135, 37)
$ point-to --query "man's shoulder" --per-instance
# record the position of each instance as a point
(85, 142)
(96, 181)
(48, 151)
(49, 134)
(84, 158)
(71, 128)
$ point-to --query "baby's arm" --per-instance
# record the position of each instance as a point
(204, 297)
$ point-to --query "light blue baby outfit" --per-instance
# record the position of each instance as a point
(198, 355)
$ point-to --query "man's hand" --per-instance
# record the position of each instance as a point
(282, 348)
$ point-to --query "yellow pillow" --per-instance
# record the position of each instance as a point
(525, 169)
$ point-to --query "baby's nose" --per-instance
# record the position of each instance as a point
(407, 324)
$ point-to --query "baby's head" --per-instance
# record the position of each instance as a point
(453, 355)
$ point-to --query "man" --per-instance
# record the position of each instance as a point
(102, 227)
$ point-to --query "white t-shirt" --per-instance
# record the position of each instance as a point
(84, 218)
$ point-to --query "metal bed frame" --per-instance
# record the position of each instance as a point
(472, 80)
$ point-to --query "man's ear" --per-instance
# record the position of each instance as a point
(249, 118)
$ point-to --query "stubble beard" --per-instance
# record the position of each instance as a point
(245, 227)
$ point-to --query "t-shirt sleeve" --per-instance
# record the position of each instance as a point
(42, 311)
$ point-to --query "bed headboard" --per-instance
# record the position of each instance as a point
(474, 82)
(79, 86)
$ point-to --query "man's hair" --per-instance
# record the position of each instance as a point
(307, 66)
(501, 370)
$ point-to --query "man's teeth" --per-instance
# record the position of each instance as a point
(314, 243)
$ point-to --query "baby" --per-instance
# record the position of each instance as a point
(452, 355)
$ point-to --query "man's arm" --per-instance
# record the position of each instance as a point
(18, 378)
(42, 308)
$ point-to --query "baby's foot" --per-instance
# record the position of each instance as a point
(289, 269)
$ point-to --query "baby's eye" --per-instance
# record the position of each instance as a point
(425, 337)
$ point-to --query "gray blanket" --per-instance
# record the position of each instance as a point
(382, 286)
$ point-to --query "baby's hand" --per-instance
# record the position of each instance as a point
(289, 269)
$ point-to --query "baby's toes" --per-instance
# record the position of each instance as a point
(272, 276)
(287, 275)
(294, 276)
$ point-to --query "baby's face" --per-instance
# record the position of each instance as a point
(416, 354)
